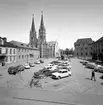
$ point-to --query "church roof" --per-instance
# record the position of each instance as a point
(42, 27)
(52, 42)
(33, 25)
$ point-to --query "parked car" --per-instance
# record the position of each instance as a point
(85, 62)
(90, 65)
(37, 62)
(31, 64)
(12, 70)
(99, 68)
(41, 61)
(20, 67)
(48, 66)
(26, 65)
(54, 67)
(61, 73)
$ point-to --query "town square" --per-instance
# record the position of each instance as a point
(51, 52)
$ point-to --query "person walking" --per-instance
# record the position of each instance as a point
(93, 75)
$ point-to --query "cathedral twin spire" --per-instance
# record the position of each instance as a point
(42, 33)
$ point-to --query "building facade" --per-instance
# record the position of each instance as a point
(83, 48)
(8, 51)
(46, 49)
(25, 52)
(98, 49)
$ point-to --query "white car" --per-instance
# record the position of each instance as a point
(48, 66)
(99, 68)
(61, 73)
(54, 67)
(37, 62)
(26, 66)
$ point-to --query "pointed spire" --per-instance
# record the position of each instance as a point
(33, 25)
(42, 22)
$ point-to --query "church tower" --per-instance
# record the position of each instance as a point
(33, 36)
(42, 31)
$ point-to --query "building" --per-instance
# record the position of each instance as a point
(25, 52)
(83, 47)
(47, 49)
(7, 51)
(98, 49)
(56, 51)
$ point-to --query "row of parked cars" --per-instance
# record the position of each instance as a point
(16, 69)
(56, 70)
(97, 65)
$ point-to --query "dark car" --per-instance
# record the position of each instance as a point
(41, 61)
(13, 70)
(20, 68)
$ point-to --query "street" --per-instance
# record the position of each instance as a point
(76, 89)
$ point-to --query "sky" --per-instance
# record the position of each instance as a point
(65, 20)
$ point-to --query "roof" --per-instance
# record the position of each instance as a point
(52, 42)
(8, 44)
(84, 41)
(22, 45)
(100, 39)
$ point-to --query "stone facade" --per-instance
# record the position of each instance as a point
(46, 49)
(83, 47)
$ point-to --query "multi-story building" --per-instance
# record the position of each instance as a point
(46, 49)
(7, 51)
(25, 52)
(98, 49)
(83, 47)
(56, 51)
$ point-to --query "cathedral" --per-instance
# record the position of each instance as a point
(47, 49)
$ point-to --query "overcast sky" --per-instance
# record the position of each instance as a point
(65, 20)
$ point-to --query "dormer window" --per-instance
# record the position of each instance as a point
(22, 44)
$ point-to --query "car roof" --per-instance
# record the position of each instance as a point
(63, 70)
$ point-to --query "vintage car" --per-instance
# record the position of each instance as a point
(61, 73)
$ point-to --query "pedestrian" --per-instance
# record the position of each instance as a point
(93, 75)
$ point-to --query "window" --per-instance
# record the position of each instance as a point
(10, 58)
(14, 51)
(10, 51)
(77, 53)
(22, 56)
(6, 59)
(14, 58)
(19, 49)
(19, 56)
(81, 53)
(86, 53)
(6, 51)
(0, 50)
